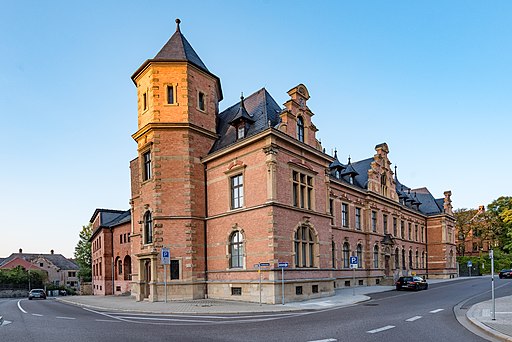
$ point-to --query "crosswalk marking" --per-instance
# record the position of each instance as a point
(387, 327)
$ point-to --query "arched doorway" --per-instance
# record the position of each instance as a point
(127, 267)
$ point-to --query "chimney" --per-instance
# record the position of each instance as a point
(51, 252)
(20, 250)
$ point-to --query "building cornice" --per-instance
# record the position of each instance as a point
(167, 125)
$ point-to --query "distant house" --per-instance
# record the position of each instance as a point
(60, 270)
(15, 262)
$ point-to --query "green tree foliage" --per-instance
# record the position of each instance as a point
(20, 276)
(83, 254)
(500, 211)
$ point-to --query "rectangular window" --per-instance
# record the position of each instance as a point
(170, 94)
(374, 221)
(358, 218)
(298, 290)
(201, 101)
(236, 291)
(385, 223)
(416, 232)
(144, 101)
(314, 288)
(175, 269)
(344, 215)
(146, 157)
(121, 238)
(124, 238)
(240, 132)
(302, 190)
(410, 231)
(394, 226)
(237, 191)
(331, 209)
(402, 229)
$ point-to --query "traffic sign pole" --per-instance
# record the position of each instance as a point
(491, 255)
(259, 272)
(165, 282)
(282, 284)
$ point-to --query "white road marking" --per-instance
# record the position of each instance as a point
(412, 319)
(436, 311)
(59, 317)
(19, 307)
(38, 315)
(326, 340)
(6, 322)
(387, 327)
(108, 320)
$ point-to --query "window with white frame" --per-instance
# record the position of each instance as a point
(237, 191)
(344, 215)
(236, 250)
(358, 218)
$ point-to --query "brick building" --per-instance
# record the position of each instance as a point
(225, 191)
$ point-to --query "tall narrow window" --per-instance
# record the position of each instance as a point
(358, 218)
(374, 221)
(417, 259)
(175, 269)
(146, 157)
(394, 226)
(403, 259)
(410, 259)
(302, 190)
(201, 101)
(397, 259)
(300, 128)
(385, 223)
(410, 231)
(144, 101)
(148, 228)
(304, 247)
(333, 254)
(416, 232)
(344, 215)
(170, 94)
(240, 131)
(359, 252)
(423, 234)
(376, 256)
(236, 250)
(423, 259)
(346, 255)
(402, 229)
(237, 191)
(331, 209)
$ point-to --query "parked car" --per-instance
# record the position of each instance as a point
(37, 293)
(505, 274)
(412, 283)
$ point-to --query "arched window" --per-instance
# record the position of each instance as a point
(403, 259)
(333, 254)
(346, 255)
(397, 259)
(300, 128)
(376, 256)
(127, 268)
(450, 260)
(410, 259)
(304, 247)
(359, 252)
(236, 250)
(148, 228)
(417, 260)
(423, 259)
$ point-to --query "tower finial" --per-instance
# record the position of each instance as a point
(349, 158)
(396, 176)
(178, 21)
(335, 153)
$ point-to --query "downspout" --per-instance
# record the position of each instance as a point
(204, 234)
(426, 249)
(112, 259)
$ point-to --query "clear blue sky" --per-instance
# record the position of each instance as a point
(432, 79)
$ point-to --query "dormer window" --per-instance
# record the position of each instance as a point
(337, 174)
(351, 179)
(240, 131)
(300, 129)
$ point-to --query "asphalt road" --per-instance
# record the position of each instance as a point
(394, 315)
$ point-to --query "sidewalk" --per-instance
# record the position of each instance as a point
(480, 315)
(343, 297)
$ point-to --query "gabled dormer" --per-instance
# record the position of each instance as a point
(242, 120)
(336, 168)
(350, 173)
(380, 176)
(296, 118)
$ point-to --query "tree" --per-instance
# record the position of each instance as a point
(83, 254)
(501, 211)
(463, 225)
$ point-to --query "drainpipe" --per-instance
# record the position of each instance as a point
(426, 249)
(204, 234)
(112, 259)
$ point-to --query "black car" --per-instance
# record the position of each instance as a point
(412, 283)
(505, 274)
(37, 293)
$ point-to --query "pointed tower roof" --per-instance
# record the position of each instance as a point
(241, 114)
(336, 163)
(350, 170)
(179, 49)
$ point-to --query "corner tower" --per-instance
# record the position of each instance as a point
(177, 106)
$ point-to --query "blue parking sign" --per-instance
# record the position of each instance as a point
(353, 260)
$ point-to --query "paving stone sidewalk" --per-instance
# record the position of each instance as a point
(481, 315)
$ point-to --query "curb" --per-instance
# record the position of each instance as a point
(288, 309)
(487, 329)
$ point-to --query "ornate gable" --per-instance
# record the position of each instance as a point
(380, 176)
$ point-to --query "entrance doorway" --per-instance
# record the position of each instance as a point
(147, 278)
(386, 265)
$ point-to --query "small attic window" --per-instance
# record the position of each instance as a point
(144, 101)
(351, 179)
(240, 131)
(170, 94)
(337, 174)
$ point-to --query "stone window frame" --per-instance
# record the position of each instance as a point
(301, 136)
(346, 255)
(374, 220)
(306, 201)
(204, 102)
(234, 172)
(385, 223)
(240, 256)
(305, 245)
(146, 166)
(359, 254)
(359, 218)
(345, 217)
(148, 226)
(395, 226)
(376, 251)
(174, 92)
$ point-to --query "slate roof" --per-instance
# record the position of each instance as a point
(57, 259)
(260, 106)
(336, 165)
(178, 49)
(14, 262)
(110, 218)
